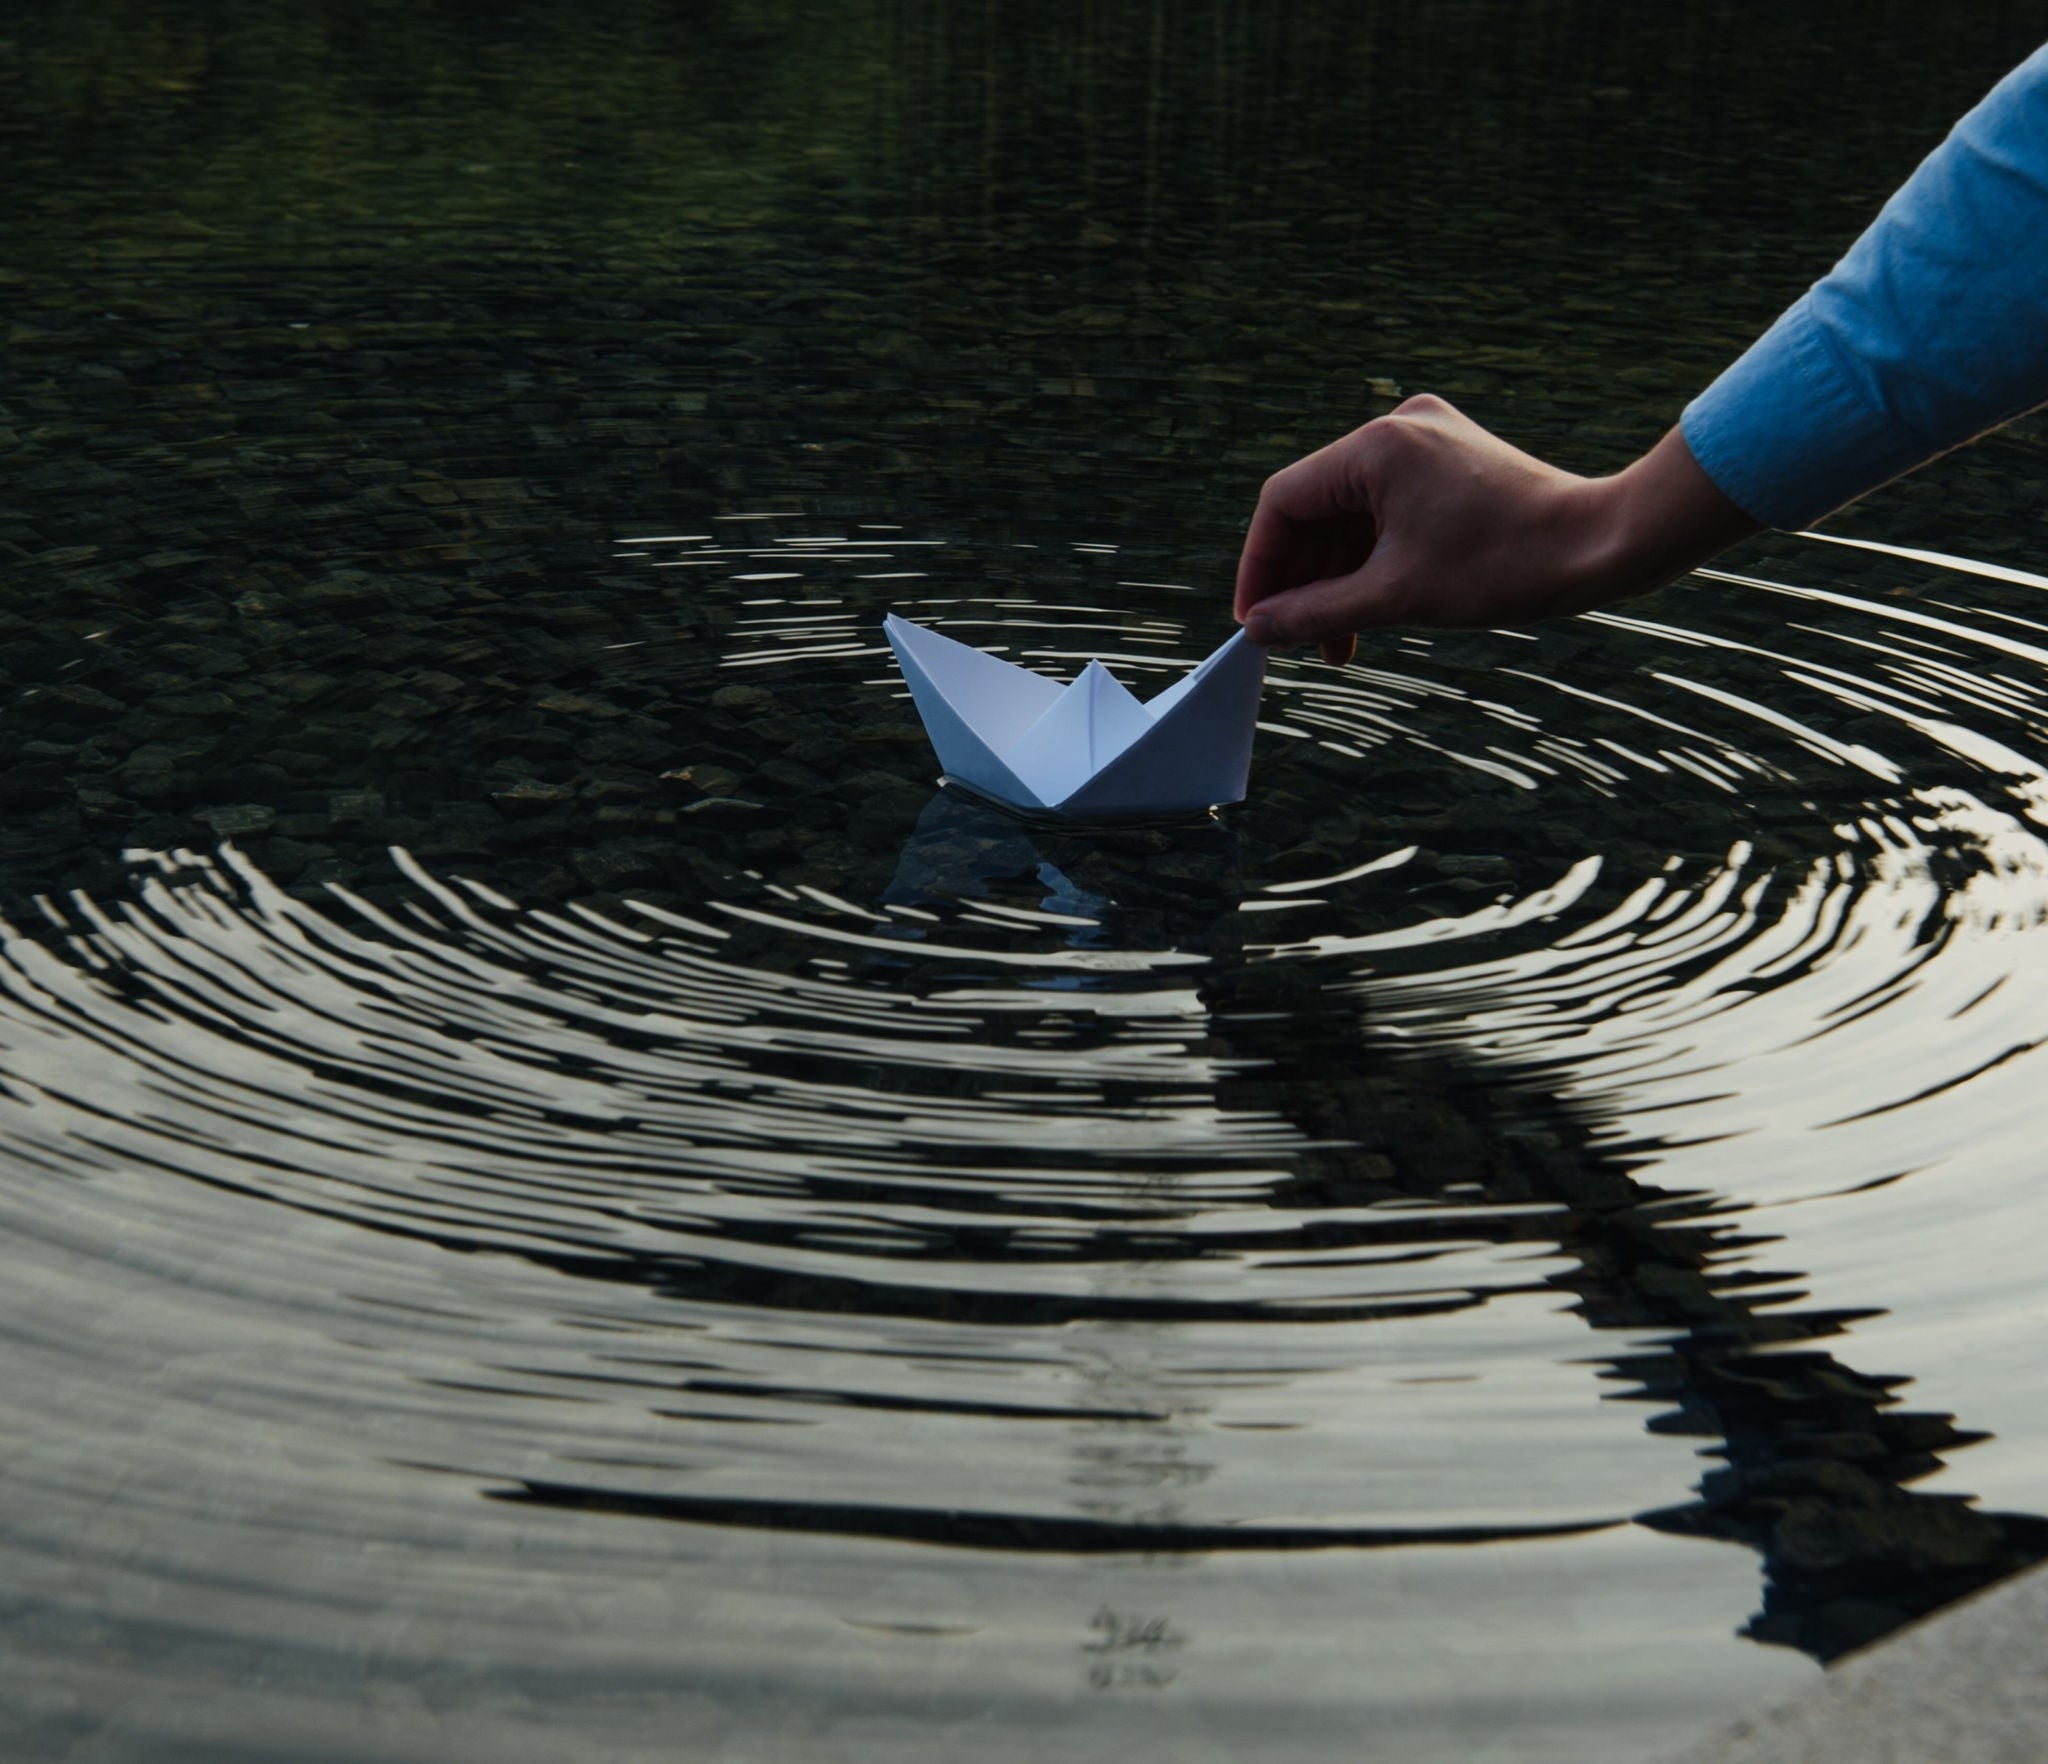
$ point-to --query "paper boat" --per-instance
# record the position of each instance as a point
(1088, 748)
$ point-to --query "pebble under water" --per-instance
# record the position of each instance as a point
(561, 1196)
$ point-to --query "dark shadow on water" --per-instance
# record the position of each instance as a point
(1818, 1457)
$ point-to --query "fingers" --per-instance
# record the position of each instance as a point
(1294, 527)
(1310, 570)
(1265, 565)
(1329, 613)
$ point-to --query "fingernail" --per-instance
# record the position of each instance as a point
(1259, 628)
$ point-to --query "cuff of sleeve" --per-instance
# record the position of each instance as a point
(1786, 435)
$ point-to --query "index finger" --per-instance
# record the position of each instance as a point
(1278, 554)
(1262, 566)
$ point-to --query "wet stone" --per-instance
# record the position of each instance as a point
(542, 741)
(788, 775)
(403, 830)
(462, 831)
(615, 788)
(87, 697)
(1482, 869)
(206, 658)
(322, 871)
(356, 805)
(577, 705)
(237, 818)
(782, 732)
(613, 866)
(33, 784)
(869, 784)
(542, 831)
(743, 700)
(882, 822)
(283, 860)
(712, 780)
(197, 704)
(300, 688)
(888, 735)
(300, 764)
(104, 805)
(627, 746)
(152, 783)
(817, 750)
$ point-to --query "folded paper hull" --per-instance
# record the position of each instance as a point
(1090, 749)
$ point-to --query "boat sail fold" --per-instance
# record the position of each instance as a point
(1089, 748)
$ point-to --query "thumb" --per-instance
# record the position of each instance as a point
(1334, 607)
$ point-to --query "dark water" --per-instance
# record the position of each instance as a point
(562, 1199)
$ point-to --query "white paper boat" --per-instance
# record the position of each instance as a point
(1088, 748)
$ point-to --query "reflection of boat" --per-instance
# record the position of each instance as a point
(963, 850)
(1088, 748)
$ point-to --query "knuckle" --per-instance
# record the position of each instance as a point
(1275, 492)
(1383, 441)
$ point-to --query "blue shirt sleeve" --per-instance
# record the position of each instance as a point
(1931, 330)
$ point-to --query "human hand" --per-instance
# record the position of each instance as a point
(1424, 518)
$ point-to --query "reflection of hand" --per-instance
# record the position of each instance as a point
(1423, 518)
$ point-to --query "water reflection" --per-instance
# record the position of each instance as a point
(1819, 1458)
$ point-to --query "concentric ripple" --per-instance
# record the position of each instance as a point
(1567, 1016)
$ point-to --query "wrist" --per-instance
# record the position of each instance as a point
(1654, 520)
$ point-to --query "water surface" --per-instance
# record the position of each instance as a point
(566, 1197)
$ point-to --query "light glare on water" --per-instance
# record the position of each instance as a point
(982, 1201)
